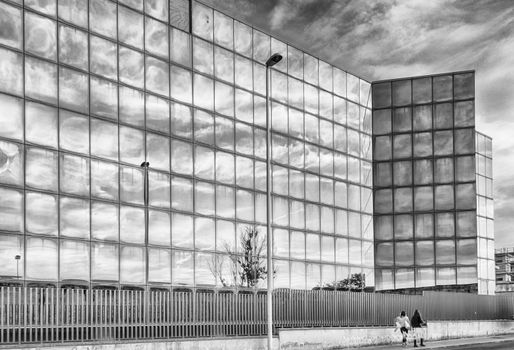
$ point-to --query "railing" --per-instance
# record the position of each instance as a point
(35, 315)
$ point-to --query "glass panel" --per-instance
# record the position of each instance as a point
(74, 11)
(425, 277)
(74, 132)
(11, 210)
(131, 185)
(203, 56)
(181, 120)
(404, 278)
(445, 251)
(445, 275)
(11, 118)
(132, 225)
(465, 196)
(223, 30)
(443, 170)
(466, 224)
(104, 139)
(74, 174)
(10, 247)
(225, 167)
(402, 119)
(224, 99)
(41, 259)
(157, 114)
(422, 172)
(101, 17)
(443, 115)
(202, 21)
(74, 90)
(203, 92)
(464, 141)
(384, 254)
(403, 226)
(382, 95)
(104, 98)
(423, 144)
(204, 198)
(104, 221)
(464, 114)
(383, 148)
(10, 21)
(159, 265)
(182, 271)
(73, 47)
(11, 163)
(130, 70)
(464, 86)
(156, 37)
(423, 198)
(443, 87)
(425, 253)
(11, 68)
(181, 194)
(132, 265)
(74, 217)
(424, 226)
(204, 163)
(444, 197)
(104, 179)
(205, 234)
(158, 151)
(157, 76)
(402, 199)
(74, 260)
(422, 117)
(103, 57)
(467, 251)
(182, 87)
(131, 145)
(40, 36)
(130, 29)
(402, 145)
(445, 225)
(402, 173)
(244, 106)
(422, 90)
(41, 80)
(180, 46)
(383, 201)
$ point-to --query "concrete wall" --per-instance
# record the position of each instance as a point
(241, 343)
(336, 338)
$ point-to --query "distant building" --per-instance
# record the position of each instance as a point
(504, 259)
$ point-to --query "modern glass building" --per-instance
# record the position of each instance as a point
(90, 90)
(432, 186)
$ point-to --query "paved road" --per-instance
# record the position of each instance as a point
(507, 345)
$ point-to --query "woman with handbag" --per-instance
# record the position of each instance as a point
(417, 326)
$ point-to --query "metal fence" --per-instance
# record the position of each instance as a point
(33, 315)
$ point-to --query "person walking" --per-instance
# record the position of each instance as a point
(402, 322)
(417, 324)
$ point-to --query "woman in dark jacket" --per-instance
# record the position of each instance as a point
(417, 324)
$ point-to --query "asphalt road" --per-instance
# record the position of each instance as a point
(506, 345)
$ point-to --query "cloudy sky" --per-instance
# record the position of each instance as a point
(377, 39)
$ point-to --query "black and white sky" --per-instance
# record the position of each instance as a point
(379, 39)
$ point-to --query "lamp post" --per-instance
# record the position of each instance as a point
(272, 60)
(145, 165)
(17, 257)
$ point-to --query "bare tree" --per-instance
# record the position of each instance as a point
(245, 266)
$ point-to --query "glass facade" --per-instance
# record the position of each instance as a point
(432, 185)
(90, 90)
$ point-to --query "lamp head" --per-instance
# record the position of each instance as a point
(273, 60)
(145, 164)
(17, 257)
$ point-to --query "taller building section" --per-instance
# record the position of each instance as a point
(425, 183)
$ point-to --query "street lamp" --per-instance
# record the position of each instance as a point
(17, 257)
(145, 165)
(274, 59)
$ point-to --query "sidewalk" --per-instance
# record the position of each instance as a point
(442, 344)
